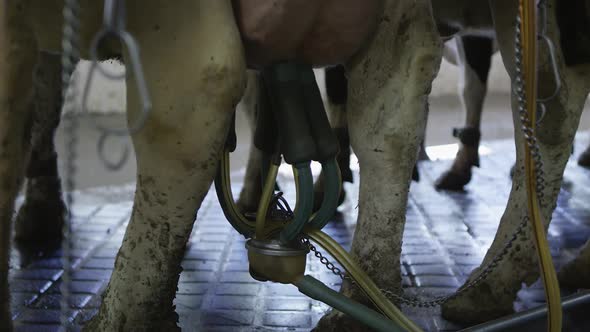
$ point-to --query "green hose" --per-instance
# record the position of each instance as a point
(318, 291)
(304, 182)
(332, 187)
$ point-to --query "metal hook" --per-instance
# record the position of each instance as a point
(137, 70)
(114, 25)
(541, 111)
(542, 6)
(554, 67)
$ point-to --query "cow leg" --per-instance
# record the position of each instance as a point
(194, 94)
(337, 94)
(474, 60)
(494, 296)
(584, 159)
(387, 108)
(576, 274)
(17, 60)
(41, 217)
(252, 189)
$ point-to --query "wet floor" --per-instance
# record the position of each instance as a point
(446, 236)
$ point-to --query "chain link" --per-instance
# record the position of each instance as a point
(526, 127)
(324, 260)
(416, 302)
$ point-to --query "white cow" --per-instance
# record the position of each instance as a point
(195, 62)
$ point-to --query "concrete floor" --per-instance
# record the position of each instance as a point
(446, 236)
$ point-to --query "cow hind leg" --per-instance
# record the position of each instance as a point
(576, 274)
(475, 60)
(252, 189)
(494, 296)
(194, 93)
(17, 60)
(41, 217)
(387, 108)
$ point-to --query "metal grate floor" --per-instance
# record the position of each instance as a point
(446, 236)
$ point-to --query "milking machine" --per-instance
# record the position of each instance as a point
(292, 125)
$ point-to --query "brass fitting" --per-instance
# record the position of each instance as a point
(272, 261)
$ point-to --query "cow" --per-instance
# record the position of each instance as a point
(567, 26)
(40, 218)
(195, 55)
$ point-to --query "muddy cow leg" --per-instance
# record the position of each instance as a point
(387, 108)
(252, 190)
(41, 217)
(474, 55)
(17, 59)
(576, 274)
(335, 104)
(194, 93)
(494, 297)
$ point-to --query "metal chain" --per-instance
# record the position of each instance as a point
(333, 268)
(527, 130)
(413, 301)
(69, 59)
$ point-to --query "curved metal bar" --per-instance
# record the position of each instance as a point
(137, 70)
(113, 166)
(332, 188)
(512, 322)
(541, 112)
(554, 67)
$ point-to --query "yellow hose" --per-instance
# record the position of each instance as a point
(527, 11)
(233, 209)
(267, 191)
(361, 278)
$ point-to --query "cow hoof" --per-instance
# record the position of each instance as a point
(41, 217)
(584, 159)
(575, 274)
(478, 305)
(452, 180)
(335, 321)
